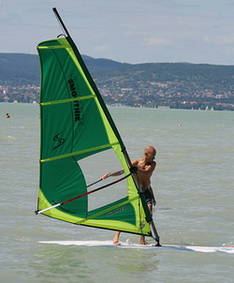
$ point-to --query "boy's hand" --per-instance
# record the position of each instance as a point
(133, 169)
(104, 176)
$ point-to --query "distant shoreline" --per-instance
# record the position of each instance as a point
(175, 85)
(160, 107)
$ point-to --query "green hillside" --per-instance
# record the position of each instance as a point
(148, 84)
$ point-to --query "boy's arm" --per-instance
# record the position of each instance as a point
(148, 168)
(117, 173)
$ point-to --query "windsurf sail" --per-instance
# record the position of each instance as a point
(76, 125)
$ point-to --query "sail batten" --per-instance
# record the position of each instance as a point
(79, 152)
(67, 100)
(52, 47)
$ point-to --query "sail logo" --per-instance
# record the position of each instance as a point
(117, 210)
(76, 104)
(59, 140)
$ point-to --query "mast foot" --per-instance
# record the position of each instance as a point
(158, 244)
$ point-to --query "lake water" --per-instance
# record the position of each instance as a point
(194, 184)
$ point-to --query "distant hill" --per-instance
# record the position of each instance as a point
(24, 68)
(102, 63)
(19, 68)
(150, 83)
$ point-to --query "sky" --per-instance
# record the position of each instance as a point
(131, 31)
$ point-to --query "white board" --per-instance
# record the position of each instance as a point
(126, 245)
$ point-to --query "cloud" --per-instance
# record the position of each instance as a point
(220, 40)
(101, 48)
(156, 41)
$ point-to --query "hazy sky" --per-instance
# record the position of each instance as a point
(134, 31)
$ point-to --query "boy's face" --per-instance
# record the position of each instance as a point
(149, 154)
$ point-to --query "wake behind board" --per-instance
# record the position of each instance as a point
(126, 245)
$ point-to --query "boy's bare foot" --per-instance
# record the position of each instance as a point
(116, 239)
(142, 241)
(116, 243)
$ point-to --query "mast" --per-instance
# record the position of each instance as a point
(61, 22)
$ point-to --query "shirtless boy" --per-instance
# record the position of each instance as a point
(145, 167)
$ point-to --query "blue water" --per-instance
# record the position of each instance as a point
(195, 202)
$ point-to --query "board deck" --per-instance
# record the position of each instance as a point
(126, 245)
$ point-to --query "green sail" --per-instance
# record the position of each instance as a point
(75, 124)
